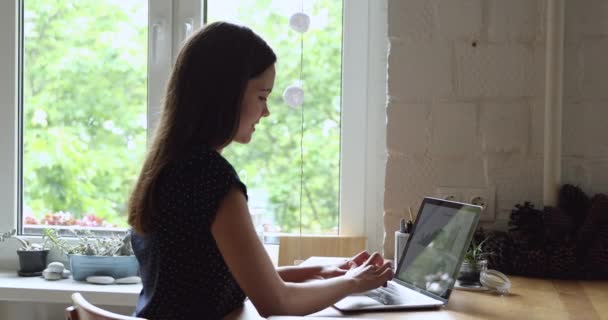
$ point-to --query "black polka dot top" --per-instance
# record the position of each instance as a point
(183, 273)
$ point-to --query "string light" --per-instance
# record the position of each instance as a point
(299, 22)
(294, 97)
(294, 94)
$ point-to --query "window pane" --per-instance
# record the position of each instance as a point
(84, 110)
(270, 164)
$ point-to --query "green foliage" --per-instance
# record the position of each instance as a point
(25, 244)
(90, 245)
(85, 107)
(475, 252)
(271, 162)
(84, 98)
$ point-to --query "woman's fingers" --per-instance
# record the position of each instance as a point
(370, 275)
(373, 259)
(387, 275)
(360, 258)
(367, 269)
(364, 258)
(384, 267)
(378, 259)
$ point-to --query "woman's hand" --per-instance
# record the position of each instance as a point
(331, 271)
(374, 272)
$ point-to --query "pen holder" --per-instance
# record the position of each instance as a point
(401, 239)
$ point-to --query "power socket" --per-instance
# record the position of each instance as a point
(483, 197)
(449, 193)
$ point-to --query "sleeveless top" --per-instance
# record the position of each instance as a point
(183, 273)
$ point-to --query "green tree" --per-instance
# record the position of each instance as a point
(84, 100)
(85, 108)
(271, 162)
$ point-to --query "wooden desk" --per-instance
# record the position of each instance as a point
(530, 298)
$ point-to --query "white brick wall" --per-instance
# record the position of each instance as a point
(412, 77)
(595, 68)
(466, 78)
(411, 121)
(573, 130)
(452, 170)
(586, 18)
(466, 81)
(573, 71)
(585, 118)
(513, 20)
(454, 129)
(537, 126)
(505, 127)
(411, 178)
(410, 19)
(459, 19)
(493, 70)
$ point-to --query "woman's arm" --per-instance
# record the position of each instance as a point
(250, 265)
(305, 273)
(300, 274)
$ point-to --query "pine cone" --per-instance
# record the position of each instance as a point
(562, 261)
(501, 246)
(530, 262)
(574, 202)
(558, 224)
(539, 262)
(596, 219)
(596, 262)
(527, 227)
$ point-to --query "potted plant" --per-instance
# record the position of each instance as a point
(475, 261)
(32, 256)
(97, 256)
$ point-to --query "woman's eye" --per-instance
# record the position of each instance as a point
(263, 99)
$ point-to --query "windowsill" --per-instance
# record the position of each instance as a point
(36, 289)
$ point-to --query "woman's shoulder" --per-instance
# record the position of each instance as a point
(205, 167)
(205, 155)
(200, 160)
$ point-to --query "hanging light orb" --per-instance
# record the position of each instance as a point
(299, 22)
(294, 95)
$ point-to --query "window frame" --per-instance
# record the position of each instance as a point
(363, 118)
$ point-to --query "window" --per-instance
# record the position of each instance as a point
(270, 165)
(83, 111)
(70, 125)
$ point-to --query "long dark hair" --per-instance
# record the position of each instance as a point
(202, 104)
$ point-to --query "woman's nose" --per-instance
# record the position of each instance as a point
(265, 112)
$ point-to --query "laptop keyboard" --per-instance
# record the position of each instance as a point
(389, 295)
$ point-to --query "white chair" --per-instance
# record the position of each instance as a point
(83, 310)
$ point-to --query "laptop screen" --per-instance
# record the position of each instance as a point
(441, 235)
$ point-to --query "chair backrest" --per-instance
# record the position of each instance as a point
(83, 310)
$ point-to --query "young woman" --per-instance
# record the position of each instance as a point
(193, 235)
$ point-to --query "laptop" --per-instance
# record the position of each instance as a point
(426, 274)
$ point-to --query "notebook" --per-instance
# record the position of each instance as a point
(426, 274)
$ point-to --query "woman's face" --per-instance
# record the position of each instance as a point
(254, 104)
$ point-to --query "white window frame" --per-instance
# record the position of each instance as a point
(363, 132)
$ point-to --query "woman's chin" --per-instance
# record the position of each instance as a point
(243, 140)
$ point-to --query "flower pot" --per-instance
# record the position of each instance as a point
(116, 267)
(32, 263)
(469, 272)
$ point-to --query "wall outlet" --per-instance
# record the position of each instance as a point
(449, 193)
(483, 197)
